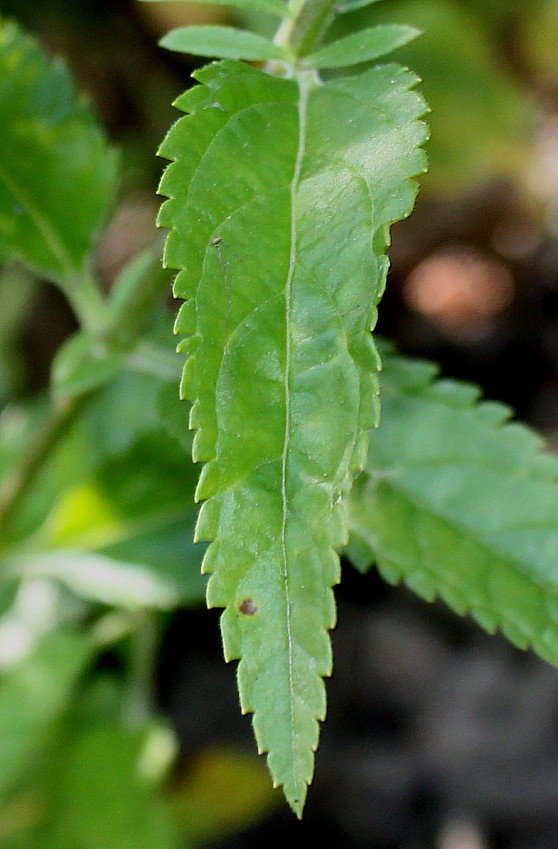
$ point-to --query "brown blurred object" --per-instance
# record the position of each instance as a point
(161, 17)
(460, 291)
(130, 230)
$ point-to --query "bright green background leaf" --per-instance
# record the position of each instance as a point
(56, 172)
(33, 694)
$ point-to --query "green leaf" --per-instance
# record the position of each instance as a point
(57, 174)
(135, 299)
(101, 799)
(155, 471)
(361, 46)
(458, 503)
(124, 537)
(479, 110)
(280, 199)
(116, 420)
(273, 7)
(81, 365)
(17, 288)
(33, 693)
(224, 42)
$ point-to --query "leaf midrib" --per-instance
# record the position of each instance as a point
(301, 111)
(466, 531)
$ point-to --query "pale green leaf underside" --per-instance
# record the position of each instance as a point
(363, 46)
(56, 172)
(280, 206)
(224, 42)
(99, 578)
(273, 7)
(460, 504)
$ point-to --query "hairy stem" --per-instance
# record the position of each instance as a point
(308, 24)
(311, 25)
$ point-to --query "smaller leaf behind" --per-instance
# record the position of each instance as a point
(363, 46)
(462, 505)
(222, 42)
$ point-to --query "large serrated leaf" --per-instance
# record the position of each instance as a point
(56, 172)
(458, 503)
(280, 199)
(479, 109)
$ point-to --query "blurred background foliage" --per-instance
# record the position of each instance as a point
(118, 722)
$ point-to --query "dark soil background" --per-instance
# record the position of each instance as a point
(437, 735)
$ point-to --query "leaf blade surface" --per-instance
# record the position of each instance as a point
(50, 222)
(223, 42)
(271, 201)
(458, 503)
(362, 46)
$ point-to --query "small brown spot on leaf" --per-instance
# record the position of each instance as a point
(247, 607)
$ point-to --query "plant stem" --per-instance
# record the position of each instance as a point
(17, 482)
(88, 303)
(283, 34)
(144, 642)
(311, 25)
(148, 358)
(137, 290)
(308, 24)
(113, 331)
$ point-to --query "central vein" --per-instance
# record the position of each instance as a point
(302, 103)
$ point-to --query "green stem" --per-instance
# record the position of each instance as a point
(87, 301)
(148, 358)
(307, 26)
(17, 482)
(283, 34)
(144, 643)
(115, 333)
(137, 291)
(311, 25)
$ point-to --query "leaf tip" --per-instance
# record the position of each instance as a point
(296, 801)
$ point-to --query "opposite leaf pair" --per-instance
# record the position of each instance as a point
(229, 43)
